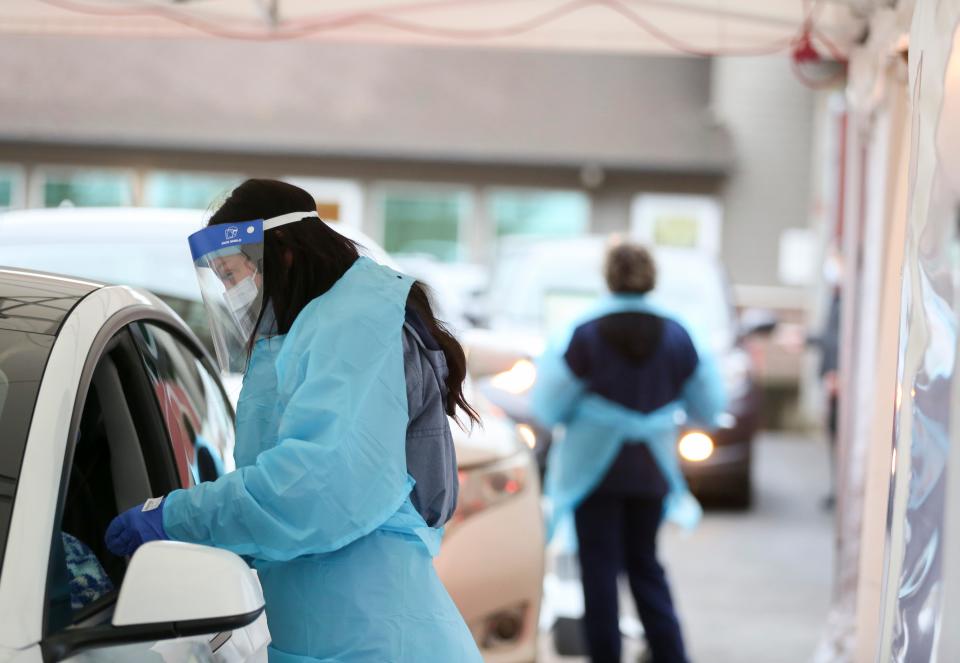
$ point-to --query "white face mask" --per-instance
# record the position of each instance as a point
(241, 296)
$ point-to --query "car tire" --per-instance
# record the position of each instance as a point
(568, 637)
(740, 495)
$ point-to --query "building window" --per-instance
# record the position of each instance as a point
(11, 185)
(86, 188)
(539, 213)
(689, 221)
(338, 201)
(188, 190)
(424, 222)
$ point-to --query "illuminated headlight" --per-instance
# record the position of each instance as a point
(695, 446)
(518, 379)
(489, 485)
(527, 434)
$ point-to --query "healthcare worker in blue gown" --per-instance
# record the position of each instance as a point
(346, 467)
(619, 380)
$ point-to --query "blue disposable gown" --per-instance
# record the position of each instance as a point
(320, 502)
(595, 428)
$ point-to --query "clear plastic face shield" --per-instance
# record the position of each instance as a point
(229, 260)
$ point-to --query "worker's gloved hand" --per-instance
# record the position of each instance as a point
(136, 526)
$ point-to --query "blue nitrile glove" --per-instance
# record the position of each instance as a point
(136, 526)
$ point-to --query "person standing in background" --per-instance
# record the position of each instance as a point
(829, 344)
(618, 382)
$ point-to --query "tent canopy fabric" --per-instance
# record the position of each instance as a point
(699, 26)
(534, 82)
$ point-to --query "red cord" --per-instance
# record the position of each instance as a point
(835, 52)
(306, 27)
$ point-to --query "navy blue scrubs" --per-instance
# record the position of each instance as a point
(641, 361)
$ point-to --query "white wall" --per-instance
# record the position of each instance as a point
(312, 97)
(769, 115)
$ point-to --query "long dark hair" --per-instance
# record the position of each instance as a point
(304, 260)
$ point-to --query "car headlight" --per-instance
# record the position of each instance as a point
(484, 487)
(526, 433)
(518, 379)
(695, 446)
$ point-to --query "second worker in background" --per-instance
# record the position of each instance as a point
(618, 381)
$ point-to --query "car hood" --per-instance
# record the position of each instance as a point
(492, 442)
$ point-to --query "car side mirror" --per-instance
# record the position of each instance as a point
(172, 590)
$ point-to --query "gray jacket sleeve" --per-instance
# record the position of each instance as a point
(431, 457)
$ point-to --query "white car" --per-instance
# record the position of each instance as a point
(454, 286)
(104, 397)
(492, 556)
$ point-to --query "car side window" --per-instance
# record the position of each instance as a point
(197, 415)
(118, 457)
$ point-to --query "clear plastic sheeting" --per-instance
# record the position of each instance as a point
(924, 419)
(921, 450)
(872, 241)
(229, 264)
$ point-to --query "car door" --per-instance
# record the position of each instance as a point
(199, 425)
(118, 455)
(155, 418)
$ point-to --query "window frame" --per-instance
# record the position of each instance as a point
(92, 321)
(199, 353)
(115, 330)
(121, 342)
(92, 630)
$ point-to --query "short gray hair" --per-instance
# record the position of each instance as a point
(630, 269)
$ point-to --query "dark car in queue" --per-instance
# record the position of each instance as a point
(541, 286)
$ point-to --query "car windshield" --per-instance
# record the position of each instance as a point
(163, 268)
(547, 288)
(23, 356)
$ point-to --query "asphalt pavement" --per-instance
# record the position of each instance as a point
(752, 586)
